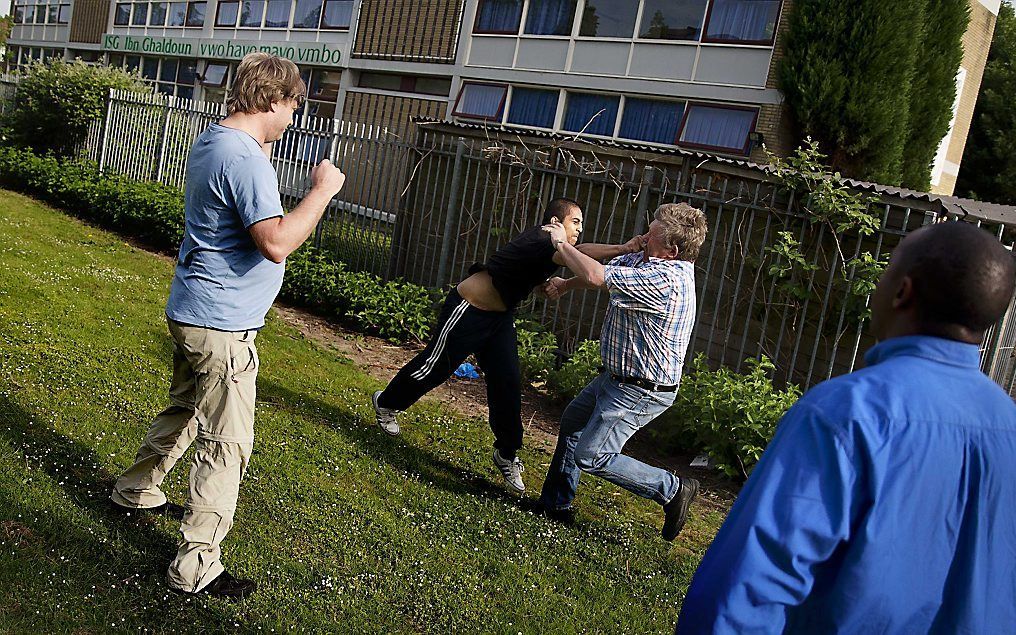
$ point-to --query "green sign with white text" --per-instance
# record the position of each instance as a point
(316, 53)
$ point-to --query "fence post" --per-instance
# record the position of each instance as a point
(644, 189)
(451, 213)
(105, 130)
(164, 143)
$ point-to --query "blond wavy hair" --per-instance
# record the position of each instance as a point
(262, 80)
(684, 227)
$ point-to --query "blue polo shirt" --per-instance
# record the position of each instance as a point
(886, 503)
(222, 281)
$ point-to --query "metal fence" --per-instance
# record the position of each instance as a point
(149, 136)
(426, 208)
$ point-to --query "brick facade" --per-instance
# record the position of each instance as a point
(976, 43)
(88, 21)
(409, 30)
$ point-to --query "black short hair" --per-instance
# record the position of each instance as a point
(962, 275)
(559, 207)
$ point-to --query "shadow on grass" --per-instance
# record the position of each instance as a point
(397, 452)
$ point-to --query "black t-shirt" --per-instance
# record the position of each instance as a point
(525, 262)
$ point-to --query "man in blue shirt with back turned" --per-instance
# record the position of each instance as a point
(885, 501)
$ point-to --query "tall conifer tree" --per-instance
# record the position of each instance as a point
(940, 52)
(849, 77)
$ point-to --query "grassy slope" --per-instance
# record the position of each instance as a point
(345, 529)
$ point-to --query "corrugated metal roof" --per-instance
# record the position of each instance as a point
(966, 207)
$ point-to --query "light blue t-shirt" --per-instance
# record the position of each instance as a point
(222, 281)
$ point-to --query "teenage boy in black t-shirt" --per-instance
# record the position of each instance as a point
(478, 319)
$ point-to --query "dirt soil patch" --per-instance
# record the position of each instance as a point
(540, 413)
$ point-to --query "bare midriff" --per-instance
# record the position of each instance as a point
(478, 290)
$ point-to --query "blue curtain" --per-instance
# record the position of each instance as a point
(716, 127)
(743, 20)
(583, 107)
(533, 107)
(481, 100)
(550, 17)
(651, 120)
(498, 16)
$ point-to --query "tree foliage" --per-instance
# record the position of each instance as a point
(6, 23)
(57, 101)
(988, 171)
(848, 75)
(934, 88)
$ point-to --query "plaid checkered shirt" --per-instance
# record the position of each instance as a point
(650, 317)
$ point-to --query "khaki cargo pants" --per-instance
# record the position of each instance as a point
(212, 405)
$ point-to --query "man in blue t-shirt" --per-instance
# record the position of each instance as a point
(228, 272)
(884, 504)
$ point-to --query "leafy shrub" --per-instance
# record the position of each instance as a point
(731, 416)
(580, 369)
(149, 211)
(537, 352)
(58, 100)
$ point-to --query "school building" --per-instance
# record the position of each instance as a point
(695, 74)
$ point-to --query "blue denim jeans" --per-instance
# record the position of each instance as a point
(594, 428)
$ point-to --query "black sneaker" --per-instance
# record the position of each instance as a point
(677, 509)
(227, 587)
(564, 516)
(167, 509)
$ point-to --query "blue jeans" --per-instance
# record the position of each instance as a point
(594, 428)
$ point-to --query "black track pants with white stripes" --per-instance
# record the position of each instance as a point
(461, 330)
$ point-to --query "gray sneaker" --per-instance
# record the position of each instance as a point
(511, 471)
(385, 417)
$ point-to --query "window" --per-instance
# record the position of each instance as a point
(116, 60)
(498, 16)
(139, 15)
(609, 18)
(481, 101)
(277, 15)
(380, 81)
(133, 62)
(52, 13)
(251, 13)
(533, 107)
(64, 16)
(591, 113)
(432, 85)
(18, 15)
(307, 14)
(215, 74)
(550, 17)
(196, 13)
(324, 86)
(651, 120)
(150, 68)
(177, 13)
(672, 19)
(122, 17)
(167, 76)
(405, 83)
(228, 12)
(718, 127)
(40, 16)
(157, 16)
(337, 15)
(743, 21)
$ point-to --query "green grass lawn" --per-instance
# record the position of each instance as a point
(344, 529)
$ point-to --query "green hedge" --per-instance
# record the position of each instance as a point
(152, 212)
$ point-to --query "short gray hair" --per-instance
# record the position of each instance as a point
(684, 228)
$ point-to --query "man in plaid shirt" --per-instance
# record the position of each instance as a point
(645, 336)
